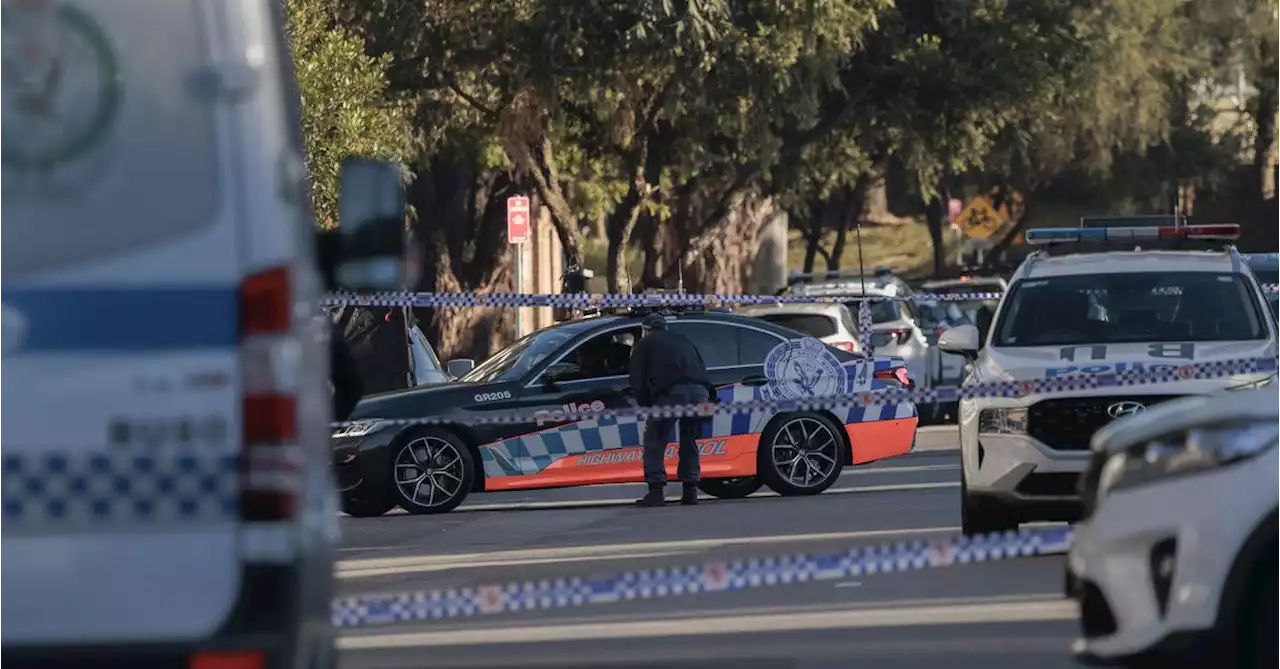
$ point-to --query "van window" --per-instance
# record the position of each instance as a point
(108, 134)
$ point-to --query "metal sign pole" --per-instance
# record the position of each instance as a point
(519, 288)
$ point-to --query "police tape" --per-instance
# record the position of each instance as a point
(709, 577)
(1075, 378)
(619, 301)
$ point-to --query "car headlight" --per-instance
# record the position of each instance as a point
(359, 428)
(1003, 421)
(1194, 450)
(1251, 382)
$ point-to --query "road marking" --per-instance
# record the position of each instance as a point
(849, 584)
(409, 564)
(896, 616)
(606, 502)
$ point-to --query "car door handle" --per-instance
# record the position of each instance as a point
(755, 381)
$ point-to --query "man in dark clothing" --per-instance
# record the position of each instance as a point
(666, 369)
(344, 375)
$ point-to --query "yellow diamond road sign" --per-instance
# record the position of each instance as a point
(980, 220)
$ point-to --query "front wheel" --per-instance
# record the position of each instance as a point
(363, 508)
(800, 454)
(432, 471)
(735, 488)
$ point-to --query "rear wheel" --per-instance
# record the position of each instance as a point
(362, 508)
(432, 472)
(800, 454)
(735, 488)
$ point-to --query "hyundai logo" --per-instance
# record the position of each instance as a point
(13, 329)
(1122, 409)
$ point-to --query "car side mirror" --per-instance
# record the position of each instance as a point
(459, 367)
(561, 371)
(371, 204)
(961, 340)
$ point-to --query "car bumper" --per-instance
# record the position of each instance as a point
(361, 463)
(1019, 468)
(1149, 568)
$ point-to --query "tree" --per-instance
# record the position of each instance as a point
(345, 110)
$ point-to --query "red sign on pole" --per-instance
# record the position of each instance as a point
(517, 219)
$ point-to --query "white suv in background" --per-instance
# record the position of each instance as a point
(1086, 314)
(831, 323)
(1176, 563)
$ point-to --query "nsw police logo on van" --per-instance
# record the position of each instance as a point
(803, 368)
(13, 329)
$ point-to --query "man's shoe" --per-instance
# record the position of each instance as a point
(690, 496)
(652, 498)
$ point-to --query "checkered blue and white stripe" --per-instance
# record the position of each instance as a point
(741, 574)
(888, 396)
(532, 453)
(614, 301)
(97, 490)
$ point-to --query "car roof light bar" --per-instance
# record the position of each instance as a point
(1040, 236)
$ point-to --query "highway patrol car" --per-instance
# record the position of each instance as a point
(582, 366)
(1088, 313)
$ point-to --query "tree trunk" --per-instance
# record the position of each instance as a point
(813, 236)
(935, 215)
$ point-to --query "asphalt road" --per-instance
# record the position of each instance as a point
(1008, 613)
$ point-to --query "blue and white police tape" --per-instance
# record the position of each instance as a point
(1072, 380)
(618, 301)
(722, 576)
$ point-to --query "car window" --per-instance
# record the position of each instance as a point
(604, 355)
(814, 325)
(428, 354)
(846, 317)
(1132, 307)
(882, 311)
(712, 341)
(754, 345)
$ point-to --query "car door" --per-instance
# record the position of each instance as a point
(589, 375)
(734, 355)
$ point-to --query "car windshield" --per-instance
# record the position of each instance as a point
(959, 312)
(1132, 307)
(515, 360)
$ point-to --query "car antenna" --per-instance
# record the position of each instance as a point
(862, 271)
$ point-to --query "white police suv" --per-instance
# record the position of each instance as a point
(167, 494)
(1175, 563)
(1074, 311)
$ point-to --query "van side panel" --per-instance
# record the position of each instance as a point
(120, 280)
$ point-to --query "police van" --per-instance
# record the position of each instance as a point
(167, 494)
(1095, 300)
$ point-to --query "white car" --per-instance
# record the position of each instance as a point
(895, 329)
(1090, 313)
(1176, 563)
(831, 323)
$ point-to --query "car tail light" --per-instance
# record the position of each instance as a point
(897, 375)
(937, 332)
(845, 346)
(270, 462)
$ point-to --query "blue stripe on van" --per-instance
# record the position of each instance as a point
(62, 320)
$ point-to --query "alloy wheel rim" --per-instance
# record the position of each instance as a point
(429, 471)
(805, 452)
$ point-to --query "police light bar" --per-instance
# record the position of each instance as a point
(1226, 231)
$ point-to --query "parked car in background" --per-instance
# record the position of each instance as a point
(831, 323)
(1266, 267)
(937, 316)
(895, 329)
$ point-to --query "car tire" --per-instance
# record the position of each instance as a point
(437, 459)
(1252, 641)
(778, 445)
(363, 508)
(982, 515)
(735, 488)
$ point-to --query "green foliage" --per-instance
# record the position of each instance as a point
(344, 107)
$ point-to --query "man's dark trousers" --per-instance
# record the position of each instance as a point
(655, 437)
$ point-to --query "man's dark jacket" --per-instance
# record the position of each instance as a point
(345, 375)
(663, 359)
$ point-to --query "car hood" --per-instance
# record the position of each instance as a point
(1038, 362)
(430, 400)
